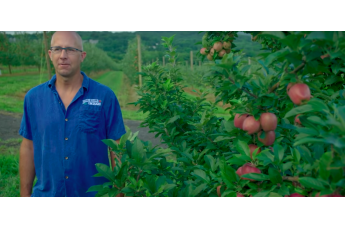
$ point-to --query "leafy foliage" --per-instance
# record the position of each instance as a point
(210, 156)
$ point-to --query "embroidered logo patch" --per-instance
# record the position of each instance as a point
(92, 102)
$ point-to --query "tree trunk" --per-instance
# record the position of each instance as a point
(9, 68)
(47, 57)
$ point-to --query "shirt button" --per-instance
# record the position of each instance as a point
(66, 138)
(66, 119)
(66, 177)
(66, 158)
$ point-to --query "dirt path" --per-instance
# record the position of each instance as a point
(10, 124)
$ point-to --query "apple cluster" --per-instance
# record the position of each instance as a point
(267, 123)
(221, 48)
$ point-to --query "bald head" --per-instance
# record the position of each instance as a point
(71, 36)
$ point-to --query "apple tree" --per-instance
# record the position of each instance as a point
(286, 136)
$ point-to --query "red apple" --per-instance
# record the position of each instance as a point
(226, 45)
(249, 168)
(296, 195)
(269, 139)
(221, 53)
(268, 121)
(251, 125)
(252, 147)
(239, 119)
(218, 46)
(239, 195)
(239, 171)
(299, 93)
(289, 87)
(203, 51)
(212, 51)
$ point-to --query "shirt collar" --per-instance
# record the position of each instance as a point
(85, 84)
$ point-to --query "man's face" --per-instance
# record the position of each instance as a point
(66, 64)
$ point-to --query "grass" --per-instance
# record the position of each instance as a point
(9, 168)
(18, 69)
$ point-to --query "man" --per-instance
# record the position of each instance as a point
(63, 124)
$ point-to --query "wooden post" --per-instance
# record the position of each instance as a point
(163, 60)
(139, 59)
(47, 56)
(191, 60)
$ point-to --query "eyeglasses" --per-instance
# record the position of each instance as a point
(69, 50)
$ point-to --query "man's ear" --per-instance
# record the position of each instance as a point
(83, 55)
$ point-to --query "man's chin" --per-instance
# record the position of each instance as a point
(66, 74)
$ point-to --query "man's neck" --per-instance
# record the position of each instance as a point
(69, 84)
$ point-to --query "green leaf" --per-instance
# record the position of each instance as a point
(324, 163)
(309, 131)
(211, 162)
(98, 175)
(316, 120)
(160, 152)
(309, 140)
(310, 182)
(274, 194)
(228, 173)
(287, 166)
(123, 139)
(105, 171)
(276, 55)
(318, 105)
(229, 193)
(95, 188)
(111, 143)
(198, 189)
(173, 119)
(278, 153)
(262, 194)
(265, 67)
(256, 176)
(201, 175)
(168, 187)
(229, 126)
(300, 109)
(138, 152)
(242, 147)
(275, 176)
(222, 138)
(283, 190)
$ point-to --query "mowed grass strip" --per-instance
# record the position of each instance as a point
(112, 79)
(13, 90)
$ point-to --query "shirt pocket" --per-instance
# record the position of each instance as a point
(89, 118)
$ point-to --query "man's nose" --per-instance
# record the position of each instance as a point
(63, 54)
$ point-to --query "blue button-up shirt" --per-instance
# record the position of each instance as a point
(67, 143)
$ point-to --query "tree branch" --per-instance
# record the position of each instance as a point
(276, 85)
(289, 178)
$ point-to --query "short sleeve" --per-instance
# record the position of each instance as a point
(25, 126)
(115, 127)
